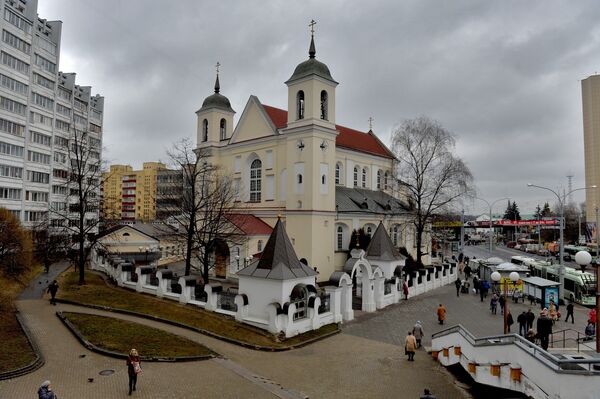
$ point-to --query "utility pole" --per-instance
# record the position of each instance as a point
(462, 230)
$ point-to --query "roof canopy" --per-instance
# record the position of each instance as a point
(278, 260)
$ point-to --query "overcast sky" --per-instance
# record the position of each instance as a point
(503, 76)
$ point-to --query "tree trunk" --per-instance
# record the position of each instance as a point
(188, 251)
(205, 260)
(419, 241)
(81, 255)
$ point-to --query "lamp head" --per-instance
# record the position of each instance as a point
(496, 276)
(514, 277)
(529, 184)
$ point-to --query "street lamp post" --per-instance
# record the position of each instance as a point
(561, 204)
(512, 277)
(490, 206)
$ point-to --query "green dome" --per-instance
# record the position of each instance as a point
(217, 101)
(311, 67)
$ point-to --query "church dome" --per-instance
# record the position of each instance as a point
(217, 100)
(311, 66)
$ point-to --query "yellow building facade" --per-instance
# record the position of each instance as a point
(130, 194)
(324, 179)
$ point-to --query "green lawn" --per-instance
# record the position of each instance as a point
(120, 336)
(97, 292)
(15, 351)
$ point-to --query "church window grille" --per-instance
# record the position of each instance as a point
(340, 238)
(324, 105)
(205, 130)
(338, 173)
(323, 179)
(356, 176)
(255, 180)
(369, 231)
(385, 181)
(299, 179)
(300, 104)
(259, 246)
(379, 176)
(395, 235)
(364, 178)
(223, 129)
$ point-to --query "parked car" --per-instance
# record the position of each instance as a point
(517, 246)
(543, 252)
(511, 244)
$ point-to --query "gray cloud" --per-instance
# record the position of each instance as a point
(503, 76)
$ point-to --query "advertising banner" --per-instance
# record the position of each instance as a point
(551, 295)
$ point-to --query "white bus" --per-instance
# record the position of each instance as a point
(579, 286)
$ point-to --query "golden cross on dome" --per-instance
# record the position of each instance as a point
(312, 27)
(217, 66)
(371, 122)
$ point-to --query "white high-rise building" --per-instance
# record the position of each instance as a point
(40, 110)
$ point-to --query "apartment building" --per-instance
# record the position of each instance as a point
(41, 110)
(131, 194)
(590, 95)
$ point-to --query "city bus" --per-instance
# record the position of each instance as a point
(579, 286)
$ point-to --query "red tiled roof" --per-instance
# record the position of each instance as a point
(250, 224)
(347, 138)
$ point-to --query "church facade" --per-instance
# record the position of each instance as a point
(324, 180)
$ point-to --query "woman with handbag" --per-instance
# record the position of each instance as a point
(133, 368)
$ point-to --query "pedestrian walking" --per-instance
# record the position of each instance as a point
(522, 320)
(52, 289)
(570, 313)
(427, 394)
(441, 314)
(590, 330)
(592, 316)
(531, 336)
(457, 285)
(405, 290)
(418, 333)
(530, 319)
(509, 320)
(468, 271)
(476, 284)
(502, 302)
(544, 328)
(493, 304)
(45, 391)
(410, 346)
(133, 368)
(461, 256)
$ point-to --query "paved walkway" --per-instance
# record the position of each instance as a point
(365, 361)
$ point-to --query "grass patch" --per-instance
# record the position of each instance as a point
(15, 351)
(97, 292)
(120, 336)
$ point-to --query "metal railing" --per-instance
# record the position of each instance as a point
(226, 301)
(325, 303)
(548, 359)
(576, 337)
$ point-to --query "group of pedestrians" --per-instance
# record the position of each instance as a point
(134, 368)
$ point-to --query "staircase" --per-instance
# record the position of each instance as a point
(512, 362)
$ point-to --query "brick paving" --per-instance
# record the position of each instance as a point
(365, 361)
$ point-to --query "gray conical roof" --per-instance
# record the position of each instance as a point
(278, 260)
(381, 247)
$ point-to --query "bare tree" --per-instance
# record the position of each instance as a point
(50, 244)
(200, 211)
(428, 172)
(79, 217)
(15, 245)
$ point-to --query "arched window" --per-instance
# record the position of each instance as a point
(379, 178)
(395, 235)
(259, 246)
(356, 176)
(340, 238)
(338, 173)
(385, 180)
(324, 105)
(205, 130)
(364, 178)
(255, 180)
(369, 231)
(223, 129)
(300, 104)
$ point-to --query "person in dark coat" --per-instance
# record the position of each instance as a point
(457, 285)
(570, 313)
(544, 328)
(530, 319)
(509, 320)
(427, 394)
(133, 368)
(501, 301)
(476, 284)
(52, 289)
(522, 320)
(46, 392)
